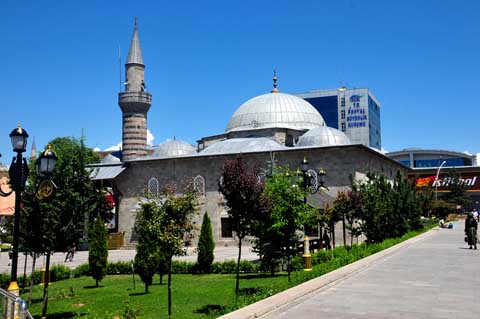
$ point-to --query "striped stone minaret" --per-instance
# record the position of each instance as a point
(134, 102)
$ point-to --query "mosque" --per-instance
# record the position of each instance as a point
(271, 128)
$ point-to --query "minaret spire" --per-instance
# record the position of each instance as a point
(33, 152)
(275, 90)
(135, 52)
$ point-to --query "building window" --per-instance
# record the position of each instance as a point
(153, 186)
(227, 230)
(343, 127)
(342, 101)
(342, 114)
(289, 140)
(199, 185)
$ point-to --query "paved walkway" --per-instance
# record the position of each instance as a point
(436, 277)
(221, 253)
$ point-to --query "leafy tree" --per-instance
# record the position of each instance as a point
(147, 257)
(98, 250)
(165, 223)
(288, 213)
(58, 223)
(206, 245)
(242, 191)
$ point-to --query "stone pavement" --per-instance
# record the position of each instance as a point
(221, 253)
(436, 277)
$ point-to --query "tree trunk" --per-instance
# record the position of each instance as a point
(161, 279)
(146, 288)
(320, 236)
(24, 272)
(169, 289)
(344, 232)
(45, 287)
(31, 279)
(333, 236)
(237, 280)
(96, 283)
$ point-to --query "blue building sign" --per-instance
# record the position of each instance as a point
(356, 115)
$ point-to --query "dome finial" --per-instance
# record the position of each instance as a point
(275, 90)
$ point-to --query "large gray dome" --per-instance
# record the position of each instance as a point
(323, 136)
(173, 148)
(275, 110)
(242, 145)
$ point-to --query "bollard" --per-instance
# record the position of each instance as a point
(307, 258)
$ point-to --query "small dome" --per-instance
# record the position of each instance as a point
(323, 136)
(173, 148)
(110, 159)
(243, 145)
(275, 110)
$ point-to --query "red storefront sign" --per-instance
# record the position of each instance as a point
(470, 181)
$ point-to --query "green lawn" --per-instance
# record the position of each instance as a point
(194, 296)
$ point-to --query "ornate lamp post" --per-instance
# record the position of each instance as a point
(312, 181)
(18, 176)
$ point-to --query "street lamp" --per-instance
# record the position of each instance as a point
(436, 178)
(18, 176)
(313, 182)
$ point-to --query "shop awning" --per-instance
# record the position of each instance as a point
(106, 172)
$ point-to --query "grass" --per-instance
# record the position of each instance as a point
(194, 296)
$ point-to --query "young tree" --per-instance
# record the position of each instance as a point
(206, 245)
(240, 186)
(172, 225)
(147, 257)
(288, 211)
(98, 250)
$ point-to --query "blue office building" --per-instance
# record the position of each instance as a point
(356, 112)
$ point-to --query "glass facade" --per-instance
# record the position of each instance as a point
(374, 124)
(437, 162)
(328, 107)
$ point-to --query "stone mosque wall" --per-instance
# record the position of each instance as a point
(339, 162)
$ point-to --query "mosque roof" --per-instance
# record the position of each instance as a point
(275, 110)
(323, 136)
(242, 145)
(173, 148)
(110, 159)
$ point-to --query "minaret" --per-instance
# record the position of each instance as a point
(134, 102)
(33, 152)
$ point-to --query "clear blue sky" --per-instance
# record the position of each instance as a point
(60, 71)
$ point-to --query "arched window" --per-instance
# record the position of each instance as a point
(199, 184)
(153, 186)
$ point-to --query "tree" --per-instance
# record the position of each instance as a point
(288, 212)
(240, 186)
(206, 245)
(147, 257)
(165, 224)
(57, 223)
(98, 250)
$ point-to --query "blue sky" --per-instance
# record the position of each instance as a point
(60, 70)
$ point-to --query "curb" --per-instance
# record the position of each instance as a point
(292, 295)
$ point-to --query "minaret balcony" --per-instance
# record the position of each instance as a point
(135, 101)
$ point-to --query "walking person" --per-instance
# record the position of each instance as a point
(326, 240)
(471, 230)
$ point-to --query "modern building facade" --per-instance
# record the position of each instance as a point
(424, 158)
(356, 112)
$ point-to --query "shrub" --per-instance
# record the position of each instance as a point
(206, 245)
(59, 272)
(98, 250)
(119, 268)
(82, 270)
